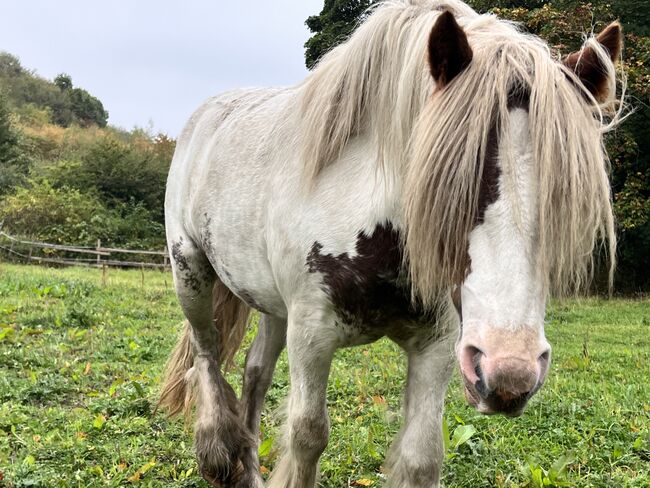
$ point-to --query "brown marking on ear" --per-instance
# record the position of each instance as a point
(589, 68)
(611, 38)
(449, 50)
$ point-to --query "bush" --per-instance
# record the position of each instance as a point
(14, 164)
(68, 216)
(123, 173)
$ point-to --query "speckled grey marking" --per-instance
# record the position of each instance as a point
(195, 276)
(206, 234)
(250, 301)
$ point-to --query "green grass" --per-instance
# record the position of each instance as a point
(80, 364)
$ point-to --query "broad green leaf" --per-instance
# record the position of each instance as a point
(265, 447)
(462, 434)
(99, 421)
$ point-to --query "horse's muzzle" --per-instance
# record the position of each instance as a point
(502, 385)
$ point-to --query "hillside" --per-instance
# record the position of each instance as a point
(66, 176)
(64, 104)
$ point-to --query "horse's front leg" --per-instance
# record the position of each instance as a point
(416, 456)
(311, 343)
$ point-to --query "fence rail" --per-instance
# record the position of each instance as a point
(102, 254)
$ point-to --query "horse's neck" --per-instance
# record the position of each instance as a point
(363, 185)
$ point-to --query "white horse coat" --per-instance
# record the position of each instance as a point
(351, 207)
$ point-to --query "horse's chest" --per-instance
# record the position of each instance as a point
(367, 290)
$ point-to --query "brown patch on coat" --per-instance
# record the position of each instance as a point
(449, 51)
(368, 289)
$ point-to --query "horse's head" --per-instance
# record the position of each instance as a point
(501, 298)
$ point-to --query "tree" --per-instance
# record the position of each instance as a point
(123, 173)
(87, 109)
(68, 104)
(14, 165)
(335, 23)
(63, 81)
(10, 65)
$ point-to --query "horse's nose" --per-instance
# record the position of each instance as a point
(510, 378)
(502, 384)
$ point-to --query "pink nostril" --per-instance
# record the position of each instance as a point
(545, 356)
(544, 361)
(470, 363)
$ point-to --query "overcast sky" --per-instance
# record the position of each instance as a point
(155, 61)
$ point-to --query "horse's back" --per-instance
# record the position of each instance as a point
(219, 139)
(218, 188)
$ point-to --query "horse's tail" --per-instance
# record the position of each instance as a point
(230, 318)
(175, 396)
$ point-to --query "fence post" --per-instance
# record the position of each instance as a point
(99, 257)
(165, 259)
(103, 275)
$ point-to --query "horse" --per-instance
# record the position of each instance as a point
(434, 180)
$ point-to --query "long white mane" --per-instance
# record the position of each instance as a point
(378, 84)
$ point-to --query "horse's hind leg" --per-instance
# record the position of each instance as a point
(260, 364)
(223, 443)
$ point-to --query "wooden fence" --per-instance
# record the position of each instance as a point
(32, 251)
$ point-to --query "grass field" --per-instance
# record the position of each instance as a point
(80, 363)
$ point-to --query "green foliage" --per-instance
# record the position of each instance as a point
(87, 109)
(58, 215)
(335, 23)
(634, 14)
(33, 115)
(554, 477)
(460, 436)
(63, 82)
(14, 165)
(67, 215)
(122, 170)
(68, 105)
(124, 173)
(82, 360)
(10, 66)
(67, 178)
(563, 24)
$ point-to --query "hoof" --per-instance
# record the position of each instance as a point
(226, 458)
(237, 477)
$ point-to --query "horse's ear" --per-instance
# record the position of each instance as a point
(449, 51)
(590, 68)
